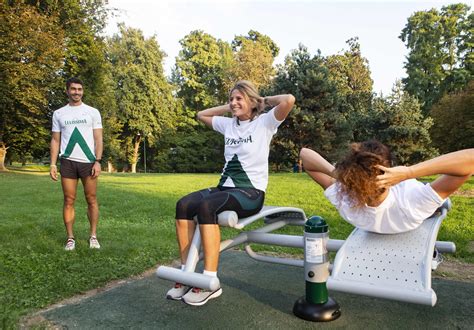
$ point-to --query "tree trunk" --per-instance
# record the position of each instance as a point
(136, 146)
(110, 167)
(3, 153)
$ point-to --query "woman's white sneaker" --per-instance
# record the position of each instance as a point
(198, 297)
(177, 292)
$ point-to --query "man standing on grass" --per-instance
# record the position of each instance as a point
(77, 139)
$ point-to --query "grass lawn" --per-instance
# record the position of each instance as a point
(136, 231)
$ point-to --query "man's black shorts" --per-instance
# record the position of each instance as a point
(75, 170)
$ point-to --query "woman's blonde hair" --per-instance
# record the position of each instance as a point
(357, 171)
(250, 93)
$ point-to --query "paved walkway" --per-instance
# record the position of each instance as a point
(258, 296)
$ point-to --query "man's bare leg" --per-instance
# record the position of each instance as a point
(69, 191)
(90, 192)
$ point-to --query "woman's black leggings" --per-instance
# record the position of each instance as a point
(208, 203)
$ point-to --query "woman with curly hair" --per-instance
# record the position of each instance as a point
(372, 195)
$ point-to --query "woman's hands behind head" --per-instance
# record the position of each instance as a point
(392, 175)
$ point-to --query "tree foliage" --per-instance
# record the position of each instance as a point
(43, 42)
(200, 71)
(440, 56)
(144, 98)
(29, 60)
(332, 95)
(399, 122)
(316, 121)
(86, 58)
(82, 23)
(254, 55)
(453, 116)
(191, 152)
(202, 79)
(350, 72)
(70, 28)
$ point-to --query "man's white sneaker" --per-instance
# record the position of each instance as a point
(177, 292)
(94, 243)
(198, 297)
(70, 244)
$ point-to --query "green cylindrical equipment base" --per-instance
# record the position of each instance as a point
(326, 312)
(316, 293)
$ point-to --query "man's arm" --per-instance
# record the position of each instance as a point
(99, 148)
(54, 152)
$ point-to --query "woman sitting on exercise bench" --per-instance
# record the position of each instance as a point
(243, 182)
(373, 196)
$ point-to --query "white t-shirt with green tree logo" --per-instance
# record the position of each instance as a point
(76, 125)
(246, 150)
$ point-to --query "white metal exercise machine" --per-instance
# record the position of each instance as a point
(396, 266)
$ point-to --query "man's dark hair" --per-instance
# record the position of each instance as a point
(73, 80)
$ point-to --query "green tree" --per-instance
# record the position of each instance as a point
(440, 52)
(191, 153)
(398, 121)
(453, 116)
(85, 57)
(254, 55)
(82, 23)
(144, 96)
(466, 47)
(350, 72)
(29, 61)
(333, 96)
(200, 71)
(316, 121)
(257, 37)
(202, 79)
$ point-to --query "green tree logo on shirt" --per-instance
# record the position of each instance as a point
(235, 171)
(76, 138)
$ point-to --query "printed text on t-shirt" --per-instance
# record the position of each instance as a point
(232, 141)
(75, 121)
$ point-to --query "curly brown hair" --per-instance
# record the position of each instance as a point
(357, 171)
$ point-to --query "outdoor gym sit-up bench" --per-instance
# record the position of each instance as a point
(396, 267)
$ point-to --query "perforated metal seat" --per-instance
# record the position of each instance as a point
(389, 266)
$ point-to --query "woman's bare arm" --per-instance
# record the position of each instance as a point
(205, 116)
(458, 164)
(283, 104)
(317, 167)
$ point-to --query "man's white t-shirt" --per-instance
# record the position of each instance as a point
(405, 207)
(247, 146)
(76, 125)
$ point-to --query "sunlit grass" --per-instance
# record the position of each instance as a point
(136, 231)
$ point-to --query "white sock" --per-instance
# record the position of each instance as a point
(182, 266)
(209, 273)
